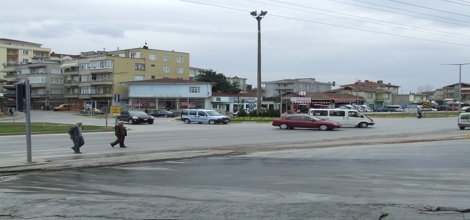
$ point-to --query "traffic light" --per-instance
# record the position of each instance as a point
(333, 100)
(18, 95)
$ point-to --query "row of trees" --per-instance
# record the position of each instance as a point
(220, 83)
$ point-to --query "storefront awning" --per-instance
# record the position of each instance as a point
(68, 65)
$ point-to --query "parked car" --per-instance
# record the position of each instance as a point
(135, 117)
(463, 121)
(464, 109)
(63, 107)
(367, 108)
(164, 113)
(203, 116)
(95, 111)
(305, 121)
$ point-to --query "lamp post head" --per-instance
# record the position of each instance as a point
(261, 14)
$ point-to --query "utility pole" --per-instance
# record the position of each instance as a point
(258, 17)
(460, 82)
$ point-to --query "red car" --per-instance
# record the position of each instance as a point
(305, 121)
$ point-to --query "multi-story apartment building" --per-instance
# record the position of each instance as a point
(13, 52)
(451, 93)
(376, 85)
(193, 72)
(241, 83)
(99, 75)
(46, 79)
(302, 85)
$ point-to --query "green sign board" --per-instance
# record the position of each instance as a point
(457, 92)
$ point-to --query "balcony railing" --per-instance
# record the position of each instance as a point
(12, 54)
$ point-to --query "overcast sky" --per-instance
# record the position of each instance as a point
(402, 42)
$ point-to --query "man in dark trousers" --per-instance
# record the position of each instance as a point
(75, 133)
(121, 133)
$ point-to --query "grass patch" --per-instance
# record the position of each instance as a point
(20, 127)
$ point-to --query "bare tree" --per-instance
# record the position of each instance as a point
(426, 88)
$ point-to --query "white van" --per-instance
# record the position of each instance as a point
(347, 117)
(203, 116)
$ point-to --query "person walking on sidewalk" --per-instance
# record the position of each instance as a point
(121, 133)
(75, 133)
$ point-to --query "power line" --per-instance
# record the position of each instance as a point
(377, 32)
(405, 14)
(456, 3)
(333, 25)
(430, 8)
(218, 6)
(408, 27)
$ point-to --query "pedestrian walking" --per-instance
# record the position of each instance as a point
(121, 133)
(75, 133)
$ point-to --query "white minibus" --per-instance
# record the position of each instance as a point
(347, 117)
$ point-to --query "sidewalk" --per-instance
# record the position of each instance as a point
(82, 161)
(18, 115)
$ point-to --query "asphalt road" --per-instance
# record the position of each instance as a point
(397, 181)
(168, 135)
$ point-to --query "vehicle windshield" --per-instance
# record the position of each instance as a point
(213, 113)
(137, 113)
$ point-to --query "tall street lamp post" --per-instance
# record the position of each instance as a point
(460, 81)
(258, 17)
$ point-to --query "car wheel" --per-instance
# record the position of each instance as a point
(150, 122)
(211, 122)
(130, 121)
(199, 122)
(283, 126)
(187, 121)
(462, 128)
(225, 123)
(363, 125)
(323, 127)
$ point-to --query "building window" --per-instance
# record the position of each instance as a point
(166, 69)
(56, 71)
(180, 59)
(25, 71)
(133, 55)
(38, 54)
(139, 77)
(25, 52)
(85, 90)
(85, 78)
(194, 90)
(38, 71)
(180, 69)
(100, 64)
(56, 91)
(25, 60)
(152, 56)
(57, 81)
(139, 66)
(153, 77)
(40, 91)
(387, 96)
(370, 95)
(34, 80)
(166, 58)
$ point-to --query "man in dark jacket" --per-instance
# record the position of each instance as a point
(76, 136)
(121, 133)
